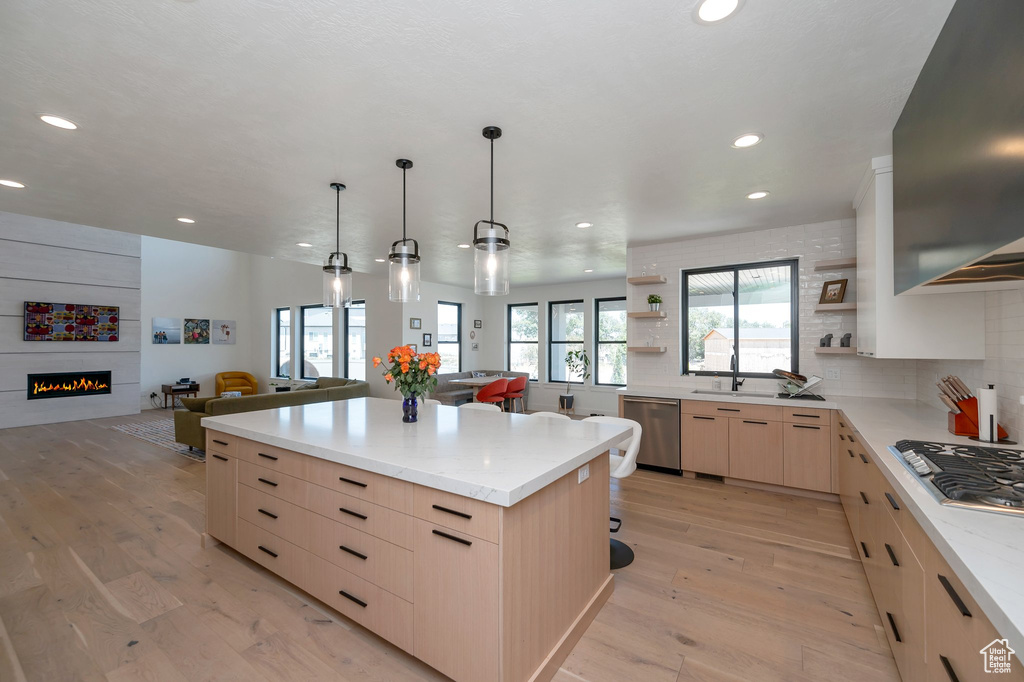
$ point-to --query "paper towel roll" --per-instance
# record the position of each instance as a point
(987, 417)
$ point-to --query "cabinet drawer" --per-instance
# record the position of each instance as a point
(372, 607)
(951, 609)
(363, 485)
(278, 555)
(377, 561)
(282, 486)
(807, 461)
(275, 459)
(804, 415)
(372, 519)
(476, 518)
(221, 442)
(270, 513)
(730, 409)
(705, 444)
(756, 450)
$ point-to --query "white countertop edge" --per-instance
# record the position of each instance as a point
(688, 394)
(503, 498)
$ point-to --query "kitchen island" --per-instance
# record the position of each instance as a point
(476, 541)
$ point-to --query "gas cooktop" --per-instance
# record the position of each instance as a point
(988, 479)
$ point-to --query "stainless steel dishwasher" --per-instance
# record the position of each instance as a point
(659, 444)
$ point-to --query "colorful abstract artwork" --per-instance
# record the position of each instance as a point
(197, 332)
(70, 322)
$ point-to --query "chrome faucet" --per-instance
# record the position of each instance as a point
(735, 367)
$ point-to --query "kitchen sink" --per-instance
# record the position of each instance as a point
(735, 394)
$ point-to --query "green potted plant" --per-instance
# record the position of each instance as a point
(654, 301)
(576, 362)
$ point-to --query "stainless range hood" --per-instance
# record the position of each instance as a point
(1002, 268)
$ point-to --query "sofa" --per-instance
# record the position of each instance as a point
(189, 431)
(454, 394)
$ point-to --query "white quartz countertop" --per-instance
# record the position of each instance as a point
(725, 397)
(496, 457)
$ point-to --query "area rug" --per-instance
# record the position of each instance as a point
(160, 432)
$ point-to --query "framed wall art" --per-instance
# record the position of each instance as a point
(71, 322)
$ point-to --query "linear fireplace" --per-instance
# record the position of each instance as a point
(67, 384)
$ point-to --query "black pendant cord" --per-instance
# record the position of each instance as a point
(492, 181)
(404, 238)
(337, 221)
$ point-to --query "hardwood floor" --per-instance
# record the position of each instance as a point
(102, 578)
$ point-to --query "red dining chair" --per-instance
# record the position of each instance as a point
(493, 392)
(516, 388)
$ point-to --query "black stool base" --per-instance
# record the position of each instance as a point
(622, 555)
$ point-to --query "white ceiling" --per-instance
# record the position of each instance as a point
(239, 113)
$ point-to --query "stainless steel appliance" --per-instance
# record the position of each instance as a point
(659, 444)
(970, 476)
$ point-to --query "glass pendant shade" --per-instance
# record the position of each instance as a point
(491, 247)
(404, 272)
(337, 281)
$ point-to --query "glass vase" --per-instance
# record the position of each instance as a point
(409, 413)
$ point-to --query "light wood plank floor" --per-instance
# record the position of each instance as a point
(102, 578)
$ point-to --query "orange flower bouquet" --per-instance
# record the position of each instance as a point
(412, 373)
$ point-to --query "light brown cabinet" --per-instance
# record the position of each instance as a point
(221, 496)
(807, 457)
(705, 443)
(755, 450)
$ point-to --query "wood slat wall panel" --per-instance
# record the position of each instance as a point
(14, 367)
(25, 228)
(14, 293)
(20, 260)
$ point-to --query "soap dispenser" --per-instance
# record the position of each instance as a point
(716, 383)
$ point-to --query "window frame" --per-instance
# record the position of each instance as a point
(277, 339)
(344, 336)
(508, 335)
(438, 341)
(551, 341)
(302, 336)
(794, 316)
(597, 339)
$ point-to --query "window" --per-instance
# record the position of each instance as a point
(316, 341)
(749, 311)
(355, 345)
(524, 339)
(610, 338)
(565, 333)
(449, 336)
(283, 334)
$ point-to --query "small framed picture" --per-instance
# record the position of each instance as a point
(414, 348)
(415, 323)
(427, 338)
(833, 292)
(478, 324)
(476, 346)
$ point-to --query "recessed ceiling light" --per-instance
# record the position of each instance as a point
(304, 245)
(186, 220)
(58, 122)
(463, 246)
(747, 140)
(757, 195)
(589, 270)
(380, 260)
(713, 11)
(583, 226)
(12, 184)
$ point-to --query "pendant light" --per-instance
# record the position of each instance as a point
(404, 259)
(337, 273)
(490, 243)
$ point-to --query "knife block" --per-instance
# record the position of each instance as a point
(966, 423)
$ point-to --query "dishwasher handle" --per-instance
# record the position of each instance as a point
(652, 401)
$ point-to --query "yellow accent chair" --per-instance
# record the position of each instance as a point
(243, 382)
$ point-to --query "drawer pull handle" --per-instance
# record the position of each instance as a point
(746, 421)
(865, 548)
(223, 459)
(892, 502)
(892, 555)
(349, 480)
(263, 480)
(842, 424)
(864, 497)
(850, 438)
(346, 595)
(842, 437)
(266, 513)
(808, 416)
(351, 551)
(949, 669)
(727, 409)
(273, 554)
(352, 513)
(220, 442)
(711, 419)
(892, 624)
(446, 510)
(851, 452)
(267, 456)
(452, 537)
(964, 611)
(803, 426)
(862, 457)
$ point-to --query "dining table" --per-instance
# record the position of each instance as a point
(476, 383)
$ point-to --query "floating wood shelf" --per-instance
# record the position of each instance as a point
(836, 350)
(647, 313)
(834, 307)
(646, 349)
(835, 264)
(649, 279)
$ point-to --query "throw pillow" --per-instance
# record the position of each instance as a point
(195, 404)
(477, 375)
(308, 387)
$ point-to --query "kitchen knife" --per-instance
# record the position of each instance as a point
(949, 403)
(962, 386)
(948, 392)
(958, 394)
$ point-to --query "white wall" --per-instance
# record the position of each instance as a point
(182, 280)
(473, 307)
(810, 243)
(54, 262)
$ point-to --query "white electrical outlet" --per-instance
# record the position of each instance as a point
(584, 473)
(832, 373)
